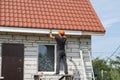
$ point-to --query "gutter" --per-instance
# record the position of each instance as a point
(46, 31)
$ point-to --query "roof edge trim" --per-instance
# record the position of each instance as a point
(93, 33)
(46, 31)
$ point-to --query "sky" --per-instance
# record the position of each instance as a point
(108, 12)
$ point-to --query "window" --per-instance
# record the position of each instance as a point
(46, 58)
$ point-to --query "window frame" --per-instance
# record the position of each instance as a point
(55, 51)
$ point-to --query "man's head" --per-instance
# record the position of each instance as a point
(61, 32)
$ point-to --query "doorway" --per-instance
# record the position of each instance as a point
(12, 61)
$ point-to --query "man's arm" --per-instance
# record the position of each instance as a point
(51, 36)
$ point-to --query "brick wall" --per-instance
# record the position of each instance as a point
(31, 42)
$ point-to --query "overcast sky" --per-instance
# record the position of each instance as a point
(108, 12)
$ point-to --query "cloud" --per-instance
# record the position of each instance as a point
(109, 22)
(109, 14)
(107, 11)
(104, 46)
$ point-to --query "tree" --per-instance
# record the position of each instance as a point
(116, 63)
(102, 67)
(108, 70)
(115, 71)
(114, 74)
(101, 64)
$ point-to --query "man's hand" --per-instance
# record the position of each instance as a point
(50, 31)
(51, 36)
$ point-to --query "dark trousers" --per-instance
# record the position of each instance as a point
(61, 56)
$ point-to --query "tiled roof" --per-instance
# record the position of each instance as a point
(50, 14)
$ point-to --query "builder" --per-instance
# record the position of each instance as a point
(61, 55)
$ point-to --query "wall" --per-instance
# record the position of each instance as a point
(31, 41)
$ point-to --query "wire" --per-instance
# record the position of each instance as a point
(113, 53)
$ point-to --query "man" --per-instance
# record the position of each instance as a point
(61, 40)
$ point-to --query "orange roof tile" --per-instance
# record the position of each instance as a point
(50, 14)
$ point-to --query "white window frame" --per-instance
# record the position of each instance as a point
(47, 72)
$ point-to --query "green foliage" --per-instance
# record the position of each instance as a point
(107, 70)
(100, 64)
(116, 63)
(114, 74)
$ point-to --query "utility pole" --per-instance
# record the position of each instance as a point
(102, 75)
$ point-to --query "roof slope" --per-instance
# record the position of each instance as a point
(50, 14)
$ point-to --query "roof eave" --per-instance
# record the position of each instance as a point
(46, 31)
(94, 33)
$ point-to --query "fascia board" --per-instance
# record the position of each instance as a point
(46, 31)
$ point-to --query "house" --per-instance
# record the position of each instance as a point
(25, 46)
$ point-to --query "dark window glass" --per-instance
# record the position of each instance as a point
(46, 58)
